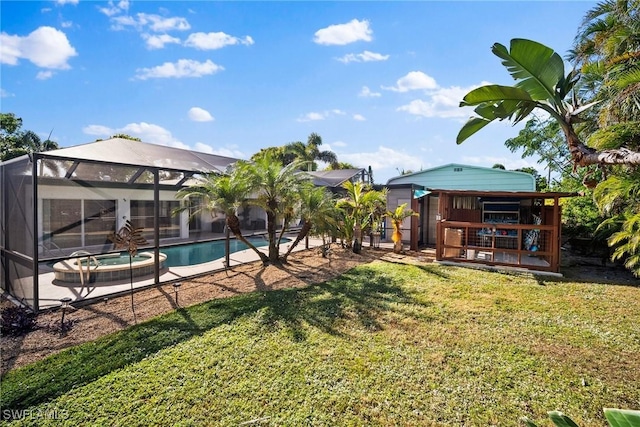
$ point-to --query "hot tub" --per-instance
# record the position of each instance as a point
(86, 268)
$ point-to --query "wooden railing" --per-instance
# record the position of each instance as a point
(530, 246)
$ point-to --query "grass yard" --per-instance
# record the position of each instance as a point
(384, 344)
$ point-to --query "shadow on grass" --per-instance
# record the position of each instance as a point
(427, 268)
(359, 296)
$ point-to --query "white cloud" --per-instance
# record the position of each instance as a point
(180, 69)
(315, 116)
(309, 117)
(224, 151)
(158, 41)
(45, 47)
(211, 41)
(359, 117)
(66, 24)
(365, 56)
(443, 103)
(366, 93)
(339, 144)
(341, 34)
(98, 130)
(159, 24)
(147, 132)
(44, 75)
(198, 114)
(5, 94)
(63, 2)
(155, 23)
(384, 158)
(155, 134)
(414, 80)
(114, 9)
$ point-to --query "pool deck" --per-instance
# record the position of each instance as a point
(51, 291)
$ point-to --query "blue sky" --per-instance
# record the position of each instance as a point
(379, 81)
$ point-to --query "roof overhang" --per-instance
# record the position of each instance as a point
(513, 194)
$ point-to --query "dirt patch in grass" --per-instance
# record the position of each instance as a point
(305, 268)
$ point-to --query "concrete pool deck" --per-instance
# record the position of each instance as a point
(52, 291)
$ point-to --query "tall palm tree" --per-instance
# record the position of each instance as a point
(225, 194)
(607, 50)
(310, 152)
(358, 205)
(317, 206)
(541, 84)
(273, 189)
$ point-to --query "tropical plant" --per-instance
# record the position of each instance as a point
(615, 417)
(308, 153)
(358, 205)
(273, 188)
(396, 217)
(541, 84)
(15, 142)
(340, 166)
(225, 194)
(129, 238)
(317, 209)
(618, 197)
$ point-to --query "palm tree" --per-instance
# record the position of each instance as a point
(310, 152)
(397, 216)
(619, 197)
(358, 206)
(317, 207)
(541, 84)
(273, 189)
(225, 194)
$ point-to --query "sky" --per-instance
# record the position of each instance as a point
(380, 82)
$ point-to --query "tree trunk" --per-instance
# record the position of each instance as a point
(357, 239)
(304, 231)
(584, 156)
(234, 225)
(271, 232)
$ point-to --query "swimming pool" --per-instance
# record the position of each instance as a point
(199, 253)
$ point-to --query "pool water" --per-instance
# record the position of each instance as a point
(198, 253)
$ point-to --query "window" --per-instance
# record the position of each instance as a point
(142, 217)
(77, 223)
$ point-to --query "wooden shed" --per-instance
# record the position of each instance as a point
(412, 189)
(518, 229)
(481, 215)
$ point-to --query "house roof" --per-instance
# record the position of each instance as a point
(455, 176)
(333, 178)
(141, 154)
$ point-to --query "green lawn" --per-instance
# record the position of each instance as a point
(385, 344)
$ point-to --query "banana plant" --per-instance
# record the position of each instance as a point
(541, 83)
(615, 418)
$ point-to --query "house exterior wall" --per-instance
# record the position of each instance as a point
(464, 177)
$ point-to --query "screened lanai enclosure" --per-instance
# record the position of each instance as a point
(60, 207)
